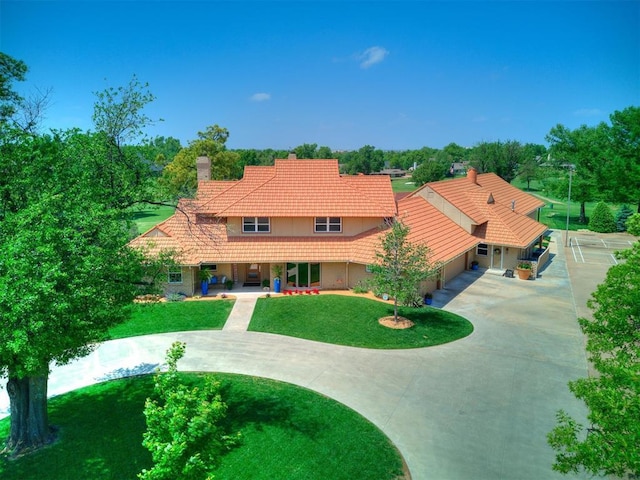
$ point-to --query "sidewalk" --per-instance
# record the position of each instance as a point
(240, 315)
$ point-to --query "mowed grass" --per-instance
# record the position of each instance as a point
(287, 433)
(399, 185)
(164, 317)
(353, 321)
(554, 213)
(150, 216)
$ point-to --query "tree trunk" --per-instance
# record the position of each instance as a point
(583, 213)
(395, 309)
(29, 421)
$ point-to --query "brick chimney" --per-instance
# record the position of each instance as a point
(203, 167)
(472, 175)
(292, 156)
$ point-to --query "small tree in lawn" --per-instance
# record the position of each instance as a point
(183, 426)
(401, 266)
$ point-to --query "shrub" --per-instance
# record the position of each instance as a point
(621, 217)
(175, 297)
(361, 287)
(602, 220)
(633, 224)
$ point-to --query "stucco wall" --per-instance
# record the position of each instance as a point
(333, 276)
(304, 227)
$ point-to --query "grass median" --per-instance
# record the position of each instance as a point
(164, 317)
(353, 321)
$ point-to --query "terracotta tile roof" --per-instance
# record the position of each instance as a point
(505, 227)
(299, 188)
(319, 190)
(428, 225)
(488, 202)
(466, 195)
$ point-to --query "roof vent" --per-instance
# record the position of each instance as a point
(490, 200)
(513, 205)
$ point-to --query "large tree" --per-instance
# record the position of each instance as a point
(502, 158)
(66, 273)
(623, 178)
(401, 266)
(610, 444)
(584, 151)
(180, 176)
(11, 70)
(430, 171)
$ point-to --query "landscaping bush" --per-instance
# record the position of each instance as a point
(621, 217)
(602, 220)
(633, 224)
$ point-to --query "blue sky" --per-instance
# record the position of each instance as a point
(395, 75)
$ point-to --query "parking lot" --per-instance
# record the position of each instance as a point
(597, 249)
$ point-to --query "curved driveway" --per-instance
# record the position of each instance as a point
(478, 408)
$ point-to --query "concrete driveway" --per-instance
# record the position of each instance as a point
(479, 408)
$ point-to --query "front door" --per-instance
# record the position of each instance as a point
(253, 273)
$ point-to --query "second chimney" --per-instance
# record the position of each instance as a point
(472, 175)
(203, 167)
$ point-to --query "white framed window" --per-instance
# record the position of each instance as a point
(328, 224)
(255, 225)
(482, 249)
(174, 275)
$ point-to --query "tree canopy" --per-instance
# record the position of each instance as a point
(401, 266)
(180, 176)
(66, 273)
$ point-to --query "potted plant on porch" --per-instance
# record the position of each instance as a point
(428, 298)
(277, 272)
(204, 275)
(524, 270)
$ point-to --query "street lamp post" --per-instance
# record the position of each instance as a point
(570, 167)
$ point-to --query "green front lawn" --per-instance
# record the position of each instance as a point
(148, 318)
(353, 321)
(287, 433)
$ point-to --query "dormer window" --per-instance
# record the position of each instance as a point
(255, 225)
(328, 225)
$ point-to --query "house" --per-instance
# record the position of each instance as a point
(322, 229)
(319, 227)
(501, 218)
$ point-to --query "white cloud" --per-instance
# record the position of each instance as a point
(260, 97)
(371, 56)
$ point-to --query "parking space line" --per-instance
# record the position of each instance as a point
(580, 251)
(613, 257)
